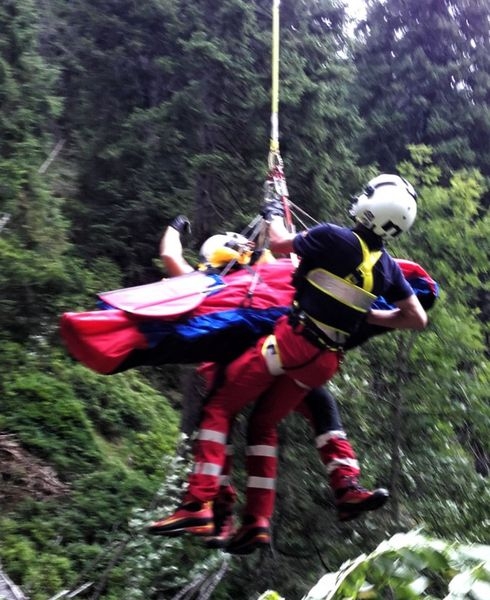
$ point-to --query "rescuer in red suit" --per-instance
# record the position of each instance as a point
(341, 273)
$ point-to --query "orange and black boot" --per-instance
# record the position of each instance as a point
(254, 533)
(352, 499)
(224, 525)
(192, 516)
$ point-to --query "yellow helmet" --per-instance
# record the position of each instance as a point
(218, 250)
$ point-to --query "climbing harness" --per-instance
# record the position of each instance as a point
(365, 269)
(328, 294)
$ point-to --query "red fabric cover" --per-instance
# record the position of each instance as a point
(412, 269)
(101, 339)
(269, 284)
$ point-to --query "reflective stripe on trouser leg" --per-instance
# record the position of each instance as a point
(261, 483)
(210, 452)
(322, 439)
(281, 397)
(245, 379)
(339, 458)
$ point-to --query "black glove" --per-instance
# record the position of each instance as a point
(272, 208)
(181, 223)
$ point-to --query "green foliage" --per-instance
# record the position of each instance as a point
(50, 421)
(127, 411)
(410, 566)
(422, 78)
(164, 565)
(28, 104)
(42, 571)
(38, 286)
(16, 551)
(49, 413)
(191, 133)
(46, 574)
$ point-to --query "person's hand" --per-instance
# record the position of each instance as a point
(272, 208)
(181, 223)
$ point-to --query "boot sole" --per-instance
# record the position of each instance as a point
(373, 503)
(193, 526)
(247, 546)
(215, 543)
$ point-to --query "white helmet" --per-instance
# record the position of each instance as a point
(386, 206)
(221, 248)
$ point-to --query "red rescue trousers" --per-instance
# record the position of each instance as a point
(280, 370)
(335, 451)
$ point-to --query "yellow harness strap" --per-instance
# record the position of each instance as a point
(369, 259)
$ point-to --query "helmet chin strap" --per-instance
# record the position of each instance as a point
(353, 202)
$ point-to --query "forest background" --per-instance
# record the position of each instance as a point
(118, 115)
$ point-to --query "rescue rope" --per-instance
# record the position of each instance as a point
(275, 185)
(274, 141)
